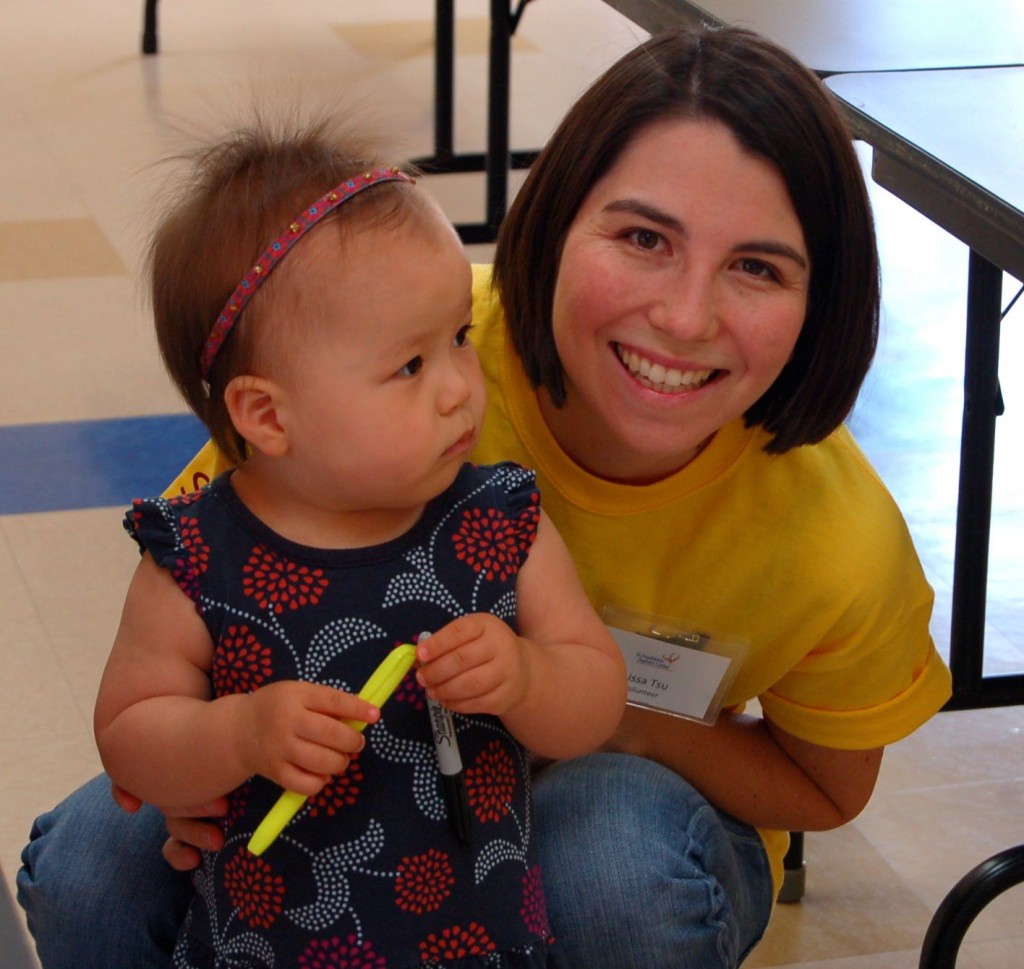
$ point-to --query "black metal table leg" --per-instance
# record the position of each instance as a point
(982, 405)
(149, 38)
(498, 158)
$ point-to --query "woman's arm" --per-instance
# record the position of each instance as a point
(560, 685)
(755, 771)
(161, 735)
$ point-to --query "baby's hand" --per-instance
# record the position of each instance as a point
(475, 664)
(292, 733)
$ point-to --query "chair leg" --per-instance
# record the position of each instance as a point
(964, 903)
(149, 40)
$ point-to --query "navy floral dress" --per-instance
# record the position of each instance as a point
(370, 873)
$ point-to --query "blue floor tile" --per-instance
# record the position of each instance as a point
(92, 464)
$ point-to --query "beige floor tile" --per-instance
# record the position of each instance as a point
(76, 567)
(957, 747)
(931, 837)
(855, 905)
(996, 954)
(53, 249)
(906, 959)
(415, 38)
(91, 352)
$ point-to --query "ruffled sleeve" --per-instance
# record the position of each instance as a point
(523, 496)
(168, 530)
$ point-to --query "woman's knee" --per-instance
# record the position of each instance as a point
(93, 882)
(638, 866)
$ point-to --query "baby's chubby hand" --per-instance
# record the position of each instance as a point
(293, 733)
(475, 664)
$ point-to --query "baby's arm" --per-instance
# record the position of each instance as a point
(162, 736)
(560, 685)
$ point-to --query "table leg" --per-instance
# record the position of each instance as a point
(977, 451)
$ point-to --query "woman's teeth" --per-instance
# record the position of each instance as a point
(666, 380)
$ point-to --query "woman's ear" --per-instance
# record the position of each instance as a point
(252, 403)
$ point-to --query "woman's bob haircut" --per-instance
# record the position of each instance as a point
(778, 110)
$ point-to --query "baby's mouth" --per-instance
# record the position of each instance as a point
(658, 377)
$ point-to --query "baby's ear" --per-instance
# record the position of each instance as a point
(252, 404)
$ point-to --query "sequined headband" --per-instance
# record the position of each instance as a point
(277, 250)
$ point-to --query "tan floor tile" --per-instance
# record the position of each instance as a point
(855, 905)
(415, 38)
(996, 954)
(958, 747)
(56, 249)
(76, 567)
(906, 959)
(91, 352)
(932, 837)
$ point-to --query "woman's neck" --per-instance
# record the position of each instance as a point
(588, 444)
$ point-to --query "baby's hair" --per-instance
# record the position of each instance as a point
(241, 191)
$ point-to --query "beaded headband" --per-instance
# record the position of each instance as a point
(277, 250)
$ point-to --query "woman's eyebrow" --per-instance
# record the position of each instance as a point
(643, 209)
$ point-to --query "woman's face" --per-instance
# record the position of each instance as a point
(681, 291)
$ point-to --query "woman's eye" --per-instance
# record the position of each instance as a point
(411, 368)
(645, 238)
(462, 337)
(755, 267)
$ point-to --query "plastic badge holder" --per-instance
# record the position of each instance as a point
(675, 667)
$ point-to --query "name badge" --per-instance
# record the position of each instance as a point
(674, 668)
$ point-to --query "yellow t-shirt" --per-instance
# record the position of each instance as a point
(804, 555)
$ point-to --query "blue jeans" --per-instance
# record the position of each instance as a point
(639, 870)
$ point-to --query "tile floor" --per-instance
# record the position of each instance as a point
(84, 117)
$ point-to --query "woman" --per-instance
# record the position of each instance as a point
(686, 305)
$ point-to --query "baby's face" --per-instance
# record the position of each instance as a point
(387, 393)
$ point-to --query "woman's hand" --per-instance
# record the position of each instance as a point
(193, 832)
(190, 828)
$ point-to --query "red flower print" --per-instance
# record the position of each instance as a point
(276, 583)
(332, 953)
(423, 882)
(409, 691)
(457, 943)
(254, 889)
(197, 551)
(535, 910)
(488, 541)
(340, 791)
(241, 663)
(491, 782)
(238, 800)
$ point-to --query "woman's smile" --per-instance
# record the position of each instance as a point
(665, 379)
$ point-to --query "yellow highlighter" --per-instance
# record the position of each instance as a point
(378, 688)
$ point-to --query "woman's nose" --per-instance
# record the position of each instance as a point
(686, 309)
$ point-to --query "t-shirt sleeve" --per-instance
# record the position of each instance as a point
(874, 674)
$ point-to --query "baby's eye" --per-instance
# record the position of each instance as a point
(462, 337)
(411, 367)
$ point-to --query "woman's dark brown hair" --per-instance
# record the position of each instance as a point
(778, 110)
(241, 192)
